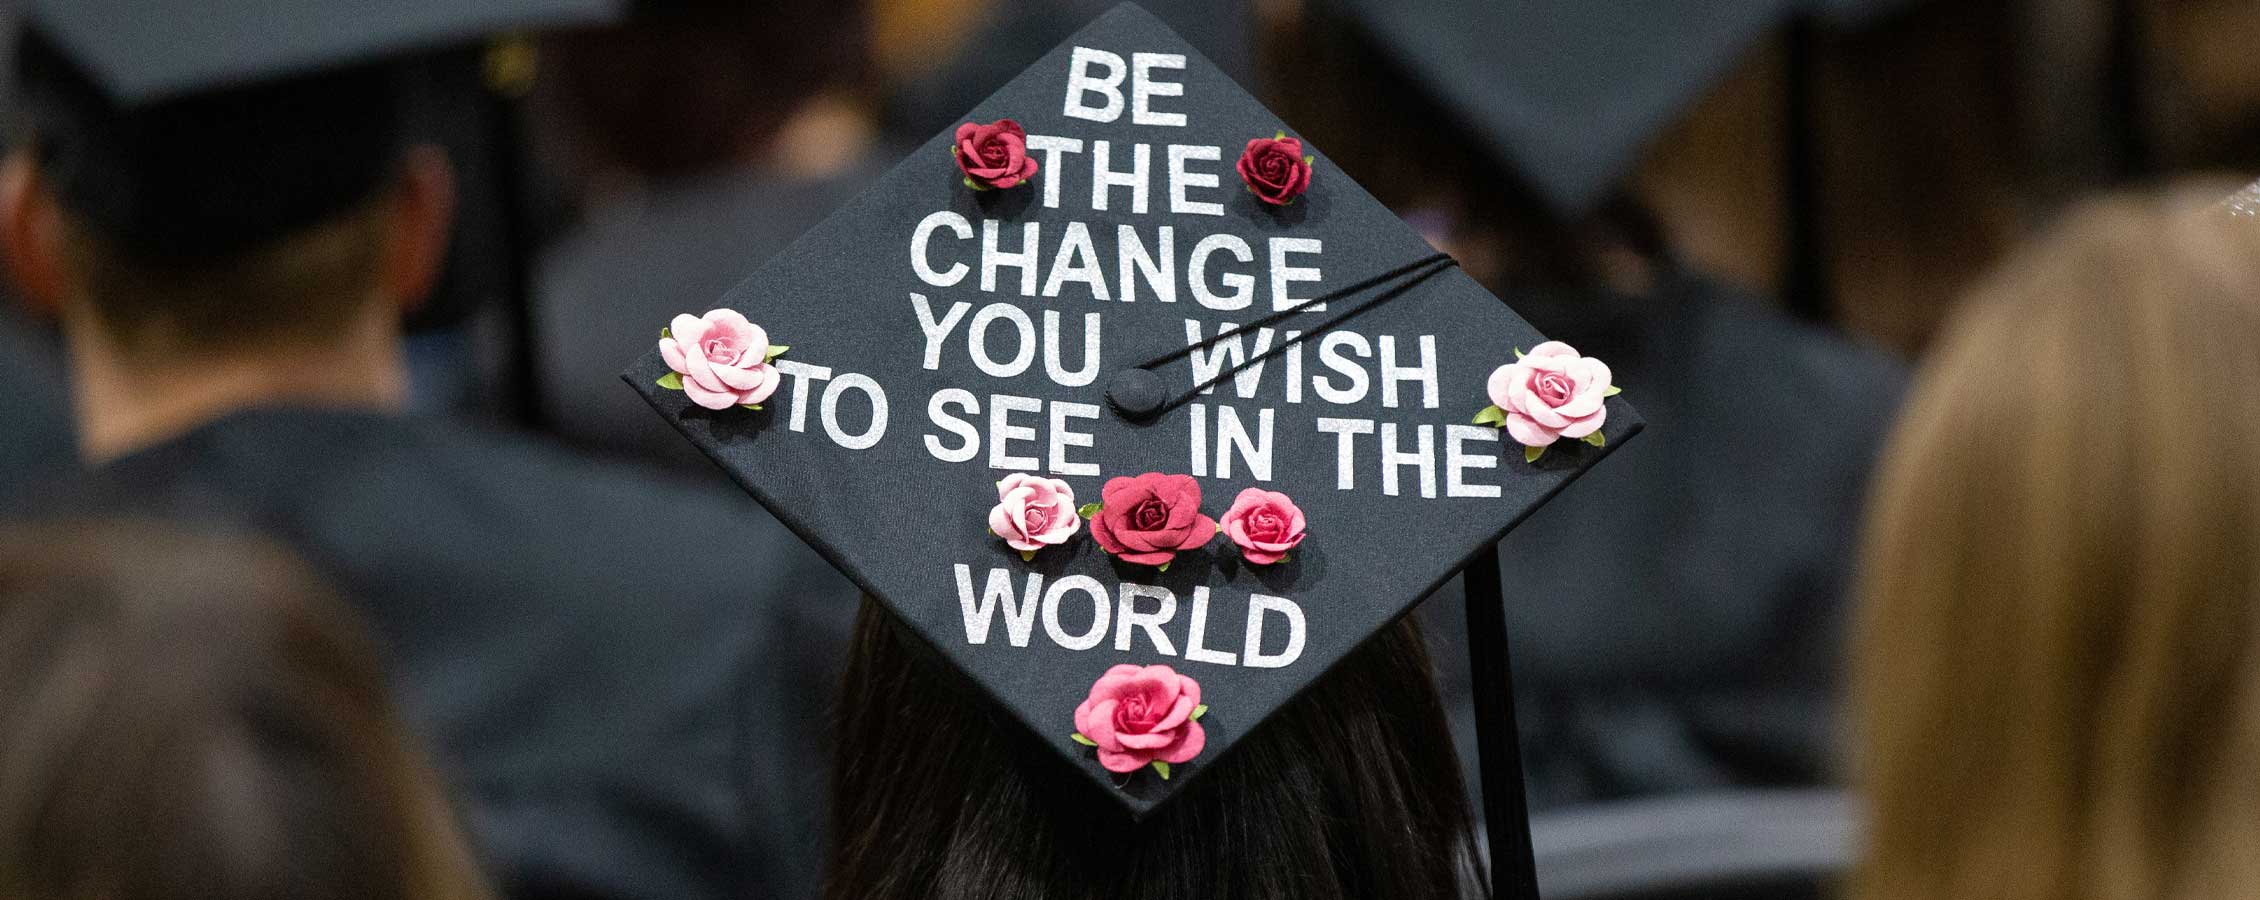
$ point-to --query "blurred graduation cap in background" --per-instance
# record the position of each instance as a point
(139, 58)
(239, 120)
(1074, 394)
(233, 121)
(1570, 94)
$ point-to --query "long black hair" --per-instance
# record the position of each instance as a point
(1351, 790)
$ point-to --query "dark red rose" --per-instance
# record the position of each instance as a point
(993, 155)
(1275, 169)
(1147, 519)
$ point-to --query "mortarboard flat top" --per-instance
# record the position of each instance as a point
(883, 448)
(140, 53)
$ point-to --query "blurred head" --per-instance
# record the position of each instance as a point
(1351, 790)
(689, 86)
(2058, 657)
(286, 213)
(191, 716)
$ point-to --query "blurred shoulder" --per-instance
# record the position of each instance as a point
(1805, 372)
(36, 443)
(557, 494)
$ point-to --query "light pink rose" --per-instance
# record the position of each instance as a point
(724, 359)
(1033, 512)
(1265, 524)
(1138, 715)
(1551, 393)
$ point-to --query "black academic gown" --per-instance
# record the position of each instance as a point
(606, 288)
(36, 446)
(626, 681)
(1675, 615)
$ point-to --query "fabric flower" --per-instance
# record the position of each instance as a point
(1033, 512)
(1275, 169)
(1549, 394)
(1142, 716)
(1265, 524)
(720, 359)
(993, 155)
(1148, 519)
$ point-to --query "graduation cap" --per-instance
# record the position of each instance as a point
(1122, 289)
(1569, 93)
(190, 129)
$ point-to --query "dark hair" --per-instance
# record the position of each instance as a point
(685, 86)
(1351, 790)
(220, 219)
(196, 716)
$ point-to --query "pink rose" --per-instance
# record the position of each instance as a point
(1265, 524)
(1138, 716)
(1551, 393)
(1033, 512)
(1147, 519)
(993, 155)
(723, 360)
(1275, 169)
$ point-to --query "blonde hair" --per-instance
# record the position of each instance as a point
(2057, 687)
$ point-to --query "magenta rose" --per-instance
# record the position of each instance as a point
(1148, 519)
(1549, 394)
(720, 359)
(1033, 512)
(1275, 169)
(1142, 716)
(1265, 524)
(993, 155)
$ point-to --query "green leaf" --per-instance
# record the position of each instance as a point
(1310, 160)
(1027, 556)
(666, 333)
(970, 183)
(1491, 415)
(1164, 568)
(1199, 711)
(1279, 135)
(672, 381)
(1612, 391)
(776, 350)
(1531, 454)
(1518, 352)
(756, 407)
(1596, 439)
(1080, 739)
(1088, 510)
(1163, 768)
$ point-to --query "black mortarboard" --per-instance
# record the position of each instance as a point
(949, 343)
(1569, 93)
(190, 129)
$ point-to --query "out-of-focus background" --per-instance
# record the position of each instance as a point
(1853, 170)
(1795, 201)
